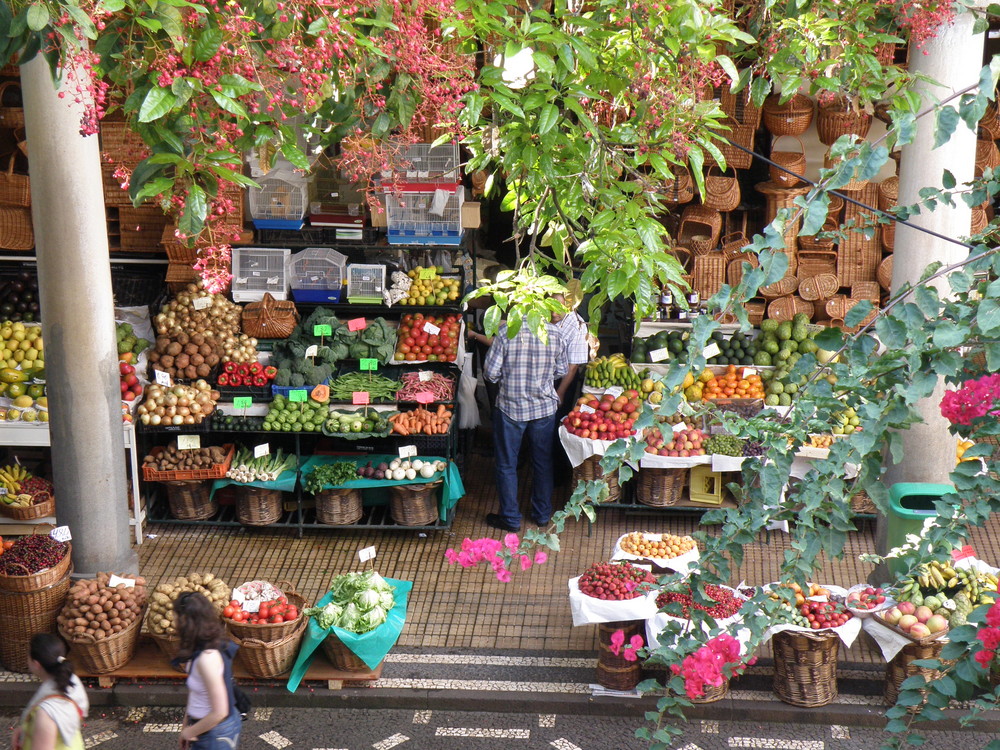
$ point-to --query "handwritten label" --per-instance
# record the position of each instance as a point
(61, 534)
(322, 330)
(425, 376)
(114, 580)
(407, 451)
(188, 442)
(424, 397)
(242, 402)
(366, 554)
(712, 350)
(427, 273)
(163, 378)
(658, 355)
(679, 427)
(368, 364)
(357, 324)
(432, 329)
(587, 409)
(615, 390)
(297, 396)
(261, 450)
(312, 351)
(201, 303)
(359, 398)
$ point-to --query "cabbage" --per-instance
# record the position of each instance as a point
(326, 616)
(367, 599)
(348, 619)
(386, 600)
(370, 620)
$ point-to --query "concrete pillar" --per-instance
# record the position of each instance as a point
(81, 358)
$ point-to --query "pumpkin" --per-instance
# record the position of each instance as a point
(320, 394)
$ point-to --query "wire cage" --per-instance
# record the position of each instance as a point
(317, 274)
(425, 218)
(422, 162)
(259, 270)
(282, 199)
(365, 283)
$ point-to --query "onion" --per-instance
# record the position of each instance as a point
(177, 420)
(183, 411)
(154, 420)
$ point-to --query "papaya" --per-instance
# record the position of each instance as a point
(321, 394)
(10, 375)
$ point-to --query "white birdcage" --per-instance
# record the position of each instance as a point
(282, 199)
(425, 218)
(365, 283)
(257, 270)
(317, 274)
(423, 162)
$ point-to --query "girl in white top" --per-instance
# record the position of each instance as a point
(53, 716)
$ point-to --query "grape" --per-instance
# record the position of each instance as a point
(724, 445)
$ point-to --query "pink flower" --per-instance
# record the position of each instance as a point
(990, 638)
(984, 658)
(630, 585)
(993, 616)
(525, 562)
(617, 640)
(630, 655)
(511, 542)
(636, 641)
(451, 556)
(504, 576)
(540, 557)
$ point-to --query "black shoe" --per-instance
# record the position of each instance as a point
(496, 522)
(538, 522)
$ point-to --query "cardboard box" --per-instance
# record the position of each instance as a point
(471, 215)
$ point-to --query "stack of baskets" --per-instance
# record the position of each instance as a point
(414, 504)
(805, 667)
(16, 232)
(268, 650)
(590, 470)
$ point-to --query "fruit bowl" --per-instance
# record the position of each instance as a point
(864, 600)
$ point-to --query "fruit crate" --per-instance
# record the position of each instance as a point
(259, 270)
(218, 471)
(317, 274)
(414, 218)
(365, 283)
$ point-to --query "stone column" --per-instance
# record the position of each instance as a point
(77, 309)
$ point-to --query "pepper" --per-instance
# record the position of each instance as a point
(235, 380)
(243, 369)
(256, 367)
(224, 376)
(270, 372)
(260, 380)
(230, 367)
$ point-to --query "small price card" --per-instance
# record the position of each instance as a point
(427, 273)
(407, 451)
(587, 409)
(163, 378)
(322, 330)
(369, 364)
(3, 491)
(712, 350)
(312, 350)
(263, 449)
(200, 304)
(658, 355)
(188, 442)
(748, 371)
(615, 390)
(432, 329)
(314, 278)
(425, 376)
(242, 402)
(61, 534)
(359, 398)
(424, 397)
(366, 554)
(679, 427)
(357, 324)
(114, 580)
(273, 280)
(297, 396)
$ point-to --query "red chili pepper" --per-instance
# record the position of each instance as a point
(270, 372)
(230, 367)
(224, 378)
(260, 379)
(255, 368)
(243, 369)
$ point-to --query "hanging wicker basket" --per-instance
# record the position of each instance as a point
(788, 166)
(660, 488)
(590, 471)
(339, 506)
(791, 118)
(681, 188)
(700, 228)
(786, 308)
(722, 191)
(270, 318)
(805, 667)
(839, 118)
(414, 504)
(819, 287)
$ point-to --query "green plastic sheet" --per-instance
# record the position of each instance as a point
(370, 647)
(285, 482)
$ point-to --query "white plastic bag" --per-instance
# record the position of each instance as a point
(469, 416)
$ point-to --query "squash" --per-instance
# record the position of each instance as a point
(321, 394)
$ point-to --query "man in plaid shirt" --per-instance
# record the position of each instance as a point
(526, 368)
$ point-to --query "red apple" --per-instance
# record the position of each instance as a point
(907, 608)
(923, 614)
(906, 622)
(937, 623)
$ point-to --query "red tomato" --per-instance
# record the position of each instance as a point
(235, 604)
(264, 612)
(229, 611)
(276, 619)
(239, 615)
(291, 614)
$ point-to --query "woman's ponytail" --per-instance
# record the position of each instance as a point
(50, 651)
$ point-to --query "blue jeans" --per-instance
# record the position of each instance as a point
(223, 736)
(508, 435)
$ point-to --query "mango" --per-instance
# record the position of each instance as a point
(10, 375)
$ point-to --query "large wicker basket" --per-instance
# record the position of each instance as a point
(901, 666)
(791, 118)
(191, 500)
(781, 288)
(590, 470)
(788, 165)
(258, 506)
(107, 654)
(269, 659)
(40, 580)
(681, 188)
(338, 506)
(414, 504)
(615, 672)
(805, 667)
(660, 488)
(709, 273)
(722, 191)
(341, 656)
(839, 118)
(271, 631)
(25, 614)
(169, 645)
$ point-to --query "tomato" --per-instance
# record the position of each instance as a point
(411, 357)
(239, 615)
(291, 614)
(264, 612)
(433, 340)
(235, 604)
(276, 619)
(229, 611)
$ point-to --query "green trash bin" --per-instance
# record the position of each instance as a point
(910, 504)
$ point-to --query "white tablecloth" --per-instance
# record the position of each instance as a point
(681, 563)
(588, 610)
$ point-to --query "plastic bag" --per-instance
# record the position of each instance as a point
(469, 413)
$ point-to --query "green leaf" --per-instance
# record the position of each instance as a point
(491, 320)
(229, 105)
(927, 301)
(830, 339)
(207, 44)
(988, 316)
(294, 155)
(547, 118)
(192, 216)
(158, 102)
(946, 122)
(948, 181)
(857, 313)
(506, 104)
(948, 334)
(38, 16)
(230, 175)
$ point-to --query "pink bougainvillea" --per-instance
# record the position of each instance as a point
(631, 651)
(989, 637)
(712, 664)
(976, 398)
(499, 555)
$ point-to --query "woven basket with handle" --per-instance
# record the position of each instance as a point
(107, 654)
(790, 118)
(709, 273)
(734, 268)
(839, 118)
(11, 105)
(15, 189)
(267, 632)
(590, 470)
(780, 288)
(270, 659)
(987, 156)
(819, 287)
(786, 308)
(816, 262)
(805, 667)
(681, 189)
(732, 245)
(722, 191)
(792, 161)
(270, 318)
(854, 183)
(700, 228)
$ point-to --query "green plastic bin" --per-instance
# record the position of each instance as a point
(910, 504)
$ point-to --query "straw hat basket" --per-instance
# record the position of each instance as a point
(987, 156)
(805, 667)
(791, 118)
(792, 161)
(615, 672)
(839, 118)
(590, 470)
(270, 659)
(700, 228)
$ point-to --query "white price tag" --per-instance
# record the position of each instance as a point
(61, 534)
(273, 279)
(200, 304)
(615, 390)
(255, 273)
(3, 491)
(241, 279)
(261, 450)
(712, 350)
(679, 427)
(748, 371)
(129, 583)
(425, 376)
(366, 554)
(314, 278)
(658, 355)
(587, 409)
(432, 329)
(188, 442)
(312, 350)
(163, 378)
(407, 451)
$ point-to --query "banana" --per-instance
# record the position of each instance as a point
(937, 579)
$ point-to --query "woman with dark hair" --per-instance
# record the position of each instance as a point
(211, 721)
(54, 714)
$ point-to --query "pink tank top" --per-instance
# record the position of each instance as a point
(199, 704)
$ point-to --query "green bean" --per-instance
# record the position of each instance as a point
(377, 386)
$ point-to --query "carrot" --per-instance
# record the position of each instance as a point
(441, 410)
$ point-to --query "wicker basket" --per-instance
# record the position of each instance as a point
(660, 488)
(270, 659)
(700, 228)
(815, 263)
(683, 256)
(786, 308)
(737, 135)
(885, 273)
(590, 470)
(722, 191)
(270, 318)
(107, 654)
(839, 305)
(269, 632)
(734, 268)
(887, 236)
(11, 109)
(16, 230)
(861, 504)
(740, 107)
(121, 147)
(989, 126)
(681, 188)
(709, 274)
(839, 118)
(854, 183)
(980, 219)
(868, 290)
(169, 645)
(414, 504)
(792, 161)
(779, 197)
(712, 693)
(25, 614)
(732, 245)
(341, 656)
(257, 506)
(755, 312)
(780, 288)
(339, 506)
(37, 581)
(987, 156)
(805, 667)
(32, 512)
(191, 500)
(888, 193)
(819, 287)
(791, 118)
(15, 189)
(900, 667)
(615, 672)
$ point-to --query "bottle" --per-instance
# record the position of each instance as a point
(666, 303)
(694, 304)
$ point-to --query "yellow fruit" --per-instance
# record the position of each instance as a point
(23, 402)
(38, 343)
(688, 381)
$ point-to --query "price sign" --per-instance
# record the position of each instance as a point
(679, 427)
(366, 554)
(424, 397)
(271, 280)
(748, 371)
(312, 350)
(314, 278)
(369, 364)
(712, 350)
(263, 449)
(114, 580)
(425, 376)
(242, 402)
(587, 409)
(357, 324)
(427, 273)
(200, 304)
(964, 552)
(163, 378)
(3, 491)
(322, 330)
(359, 398)
(188, 442)
(297, 396)
(615, 390)
(407, 451)
(61, 534)
(432, 329)
(658, 355)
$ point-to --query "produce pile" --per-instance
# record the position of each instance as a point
(733, 384)
(130, 346)
(31, 554)
(178, 405)
(96, 609)
(236, 423)
(805, 612)
(671, 346)
(606, 372)
(948, 591)
(400, 469)
(919, 622)
(727, 603)
(785, 341)
(295, 416)
(271, 612)
(378, 388)
(185, 357)
(334, 474)
(847, 422)
(615, 581)
(160, 618)
(724, 445)
(361, 602)
(604, 418)
(19, 298)
(821, 615)
(245, 375)
(421, 421)
(867, 599)
(436, 290)
(129, 382)
(22, 489)
(267, 468)
(356, 423)
(195, 311)
(683, 444)
(821, 441)
(660, 546)
(417, 341)
(173, 459)
(441, 387)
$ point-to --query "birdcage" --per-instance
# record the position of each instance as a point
(365, 283)
(317, 274)
(422, 162)
(282, 199)
(259, 270)
(425, 218)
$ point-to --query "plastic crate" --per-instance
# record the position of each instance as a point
(317, 274)
(423, 162)
(282, 198)
(410, 222)
(365, 283)
(259, 270)
(284, 390)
